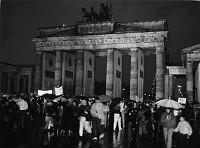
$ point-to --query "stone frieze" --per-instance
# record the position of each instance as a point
(128, 40)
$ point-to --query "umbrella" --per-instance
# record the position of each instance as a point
(168, 103)
(60, 98)
(104, 98)
(117, 99)
(6, 95)
(81, 97)
(50, 96)
(196, 106)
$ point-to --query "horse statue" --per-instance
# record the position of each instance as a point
(85, 15)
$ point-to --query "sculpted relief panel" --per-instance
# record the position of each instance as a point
(150, 39)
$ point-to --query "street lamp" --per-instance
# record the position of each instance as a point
(123, 92)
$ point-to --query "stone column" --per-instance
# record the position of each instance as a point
(43, 71)
(167, 88)
(9, 82)
(189, 81)
(170, 85)
(79, 73)
(63, 68)
(29, 84)
(58, 69)
(134, 74)
(38, 72)
(159, 73)
(110, 72)
(18, 82)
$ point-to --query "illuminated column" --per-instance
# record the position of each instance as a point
(189, 81)
(109, 73)
(29, 83)
(37, 82)
(9, 82)
(58, 68)
(79, 73)
(63, 68)
(159, 73)
(18, 81)
(170, 85)
(134, 74)
(43, 70)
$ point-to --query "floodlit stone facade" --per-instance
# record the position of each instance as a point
(87, 40)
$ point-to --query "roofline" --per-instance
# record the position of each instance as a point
(185, 50)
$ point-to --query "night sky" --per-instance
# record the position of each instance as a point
(20, 20)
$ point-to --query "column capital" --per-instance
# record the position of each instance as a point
(59, 52)
(80, 51)
(134, 49)
(38, 52)
(160, 47)
(110, 49)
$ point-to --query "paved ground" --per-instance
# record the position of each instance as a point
(124, 139)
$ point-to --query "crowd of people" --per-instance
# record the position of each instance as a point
(53, 121)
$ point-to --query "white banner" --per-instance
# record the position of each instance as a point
(59, 91)
(182, 100)
(42, 92)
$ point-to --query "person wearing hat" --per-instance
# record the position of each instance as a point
(97, 112)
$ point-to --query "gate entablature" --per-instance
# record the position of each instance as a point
(98, 42)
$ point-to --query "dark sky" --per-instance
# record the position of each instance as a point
(20, 20)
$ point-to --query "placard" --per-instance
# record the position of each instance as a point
(42, 92)
(182, 100)
(58, 91)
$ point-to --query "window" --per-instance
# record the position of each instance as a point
(118, 74)
(50, 74)
(69, 74)
(89, 74)
(141, 74)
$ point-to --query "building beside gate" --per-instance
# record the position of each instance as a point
(16, 78)
(65, 55)
(191, 59)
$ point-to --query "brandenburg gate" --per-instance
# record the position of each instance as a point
(65, 55)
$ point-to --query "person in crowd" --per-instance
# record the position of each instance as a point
(23, 107)
(104, 120)
(8, 119)
(97, 112)
(185, 131)
(122, 110)
(117, 117)
(84, 113)
(158, 126)
(168, 121)
(68, 114)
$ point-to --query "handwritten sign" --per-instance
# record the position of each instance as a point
(42, 92)
(58, 91)
(182, 100)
